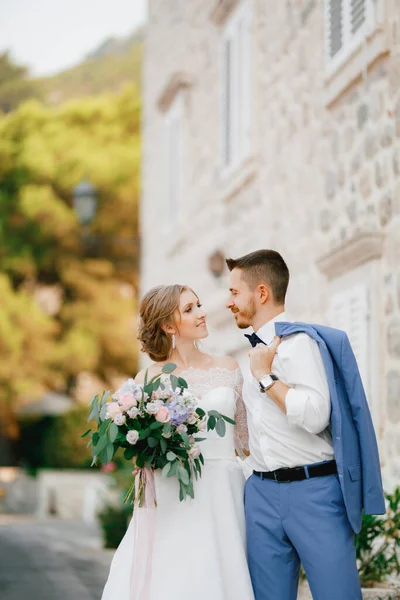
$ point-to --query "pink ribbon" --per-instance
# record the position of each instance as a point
(144, 521)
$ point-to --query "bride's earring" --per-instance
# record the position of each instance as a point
(173, 341)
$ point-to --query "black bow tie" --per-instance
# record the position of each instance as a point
(254, 339)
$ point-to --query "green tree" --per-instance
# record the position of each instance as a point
(15, 86)
(44, 153)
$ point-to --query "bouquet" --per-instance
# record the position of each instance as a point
(156, 424)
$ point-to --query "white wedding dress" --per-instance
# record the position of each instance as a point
(199, 547)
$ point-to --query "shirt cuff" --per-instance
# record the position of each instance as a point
(295, 402)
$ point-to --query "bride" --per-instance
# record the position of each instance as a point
(199, 548)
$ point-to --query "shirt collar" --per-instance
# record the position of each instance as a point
(267, 332)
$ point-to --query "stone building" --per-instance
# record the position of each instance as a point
(276, 124)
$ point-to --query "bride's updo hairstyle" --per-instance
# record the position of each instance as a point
(157, 309)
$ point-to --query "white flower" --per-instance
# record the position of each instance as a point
(194, 452)
(203, 425)
(132, 436)
(133, 412)
(181, 428)
(152, 407)
(192, 440)
(120, 420)
(166, 435)
(192, 419)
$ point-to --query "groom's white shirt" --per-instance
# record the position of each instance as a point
(302, 436)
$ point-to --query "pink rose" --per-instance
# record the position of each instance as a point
(113, 409)
(194, 452)
(162, 415)
(126, 401)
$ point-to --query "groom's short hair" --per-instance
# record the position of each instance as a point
(263, 266)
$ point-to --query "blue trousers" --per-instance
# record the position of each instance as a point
(300, 522)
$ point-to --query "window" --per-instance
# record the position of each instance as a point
(236, 84)
(350, 311)
(347, 23)
(174, 160)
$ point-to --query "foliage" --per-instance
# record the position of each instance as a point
(378, 543)
(54, 441)
(44, 153)
(114, 520)
(113, 65)
(15, 86)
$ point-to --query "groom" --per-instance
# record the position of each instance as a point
(312, 445)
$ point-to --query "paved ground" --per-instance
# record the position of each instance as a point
(51, 560)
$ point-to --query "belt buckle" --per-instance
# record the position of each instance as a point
(278, 480)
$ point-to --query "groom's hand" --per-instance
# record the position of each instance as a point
(261, 358)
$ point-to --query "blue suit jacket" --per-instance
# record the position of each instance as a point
(354, 441)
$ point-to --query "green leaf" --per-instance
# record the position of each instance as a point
(86, 433)
(220, 427)
(152, 442)
(110, 452)
(102, 443)
(200, 412)
(190, 489)
(211, 423)
(163, 445)
(146, 376)
(171, 456)
(140, 461)
(129, 453)
(185, 439)
(156, 425)
(174, 382)
(167, 428)
(145, 433)
(166, 470)
(182, 383)
(228, 420)
(201, 458)
(183, 475)
(103, 412)
(174, 467)
(168, 368)
(105, 397)
(113, 432)
(214, 413)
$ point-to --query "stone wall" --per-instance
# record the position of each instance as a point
(325, 168)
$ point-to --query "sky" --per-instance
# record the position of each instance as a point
(51, 35)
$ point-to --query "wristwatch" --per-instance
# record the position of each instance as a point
(267, 381)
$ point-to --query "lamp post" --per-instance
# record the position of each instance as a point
(85, 201)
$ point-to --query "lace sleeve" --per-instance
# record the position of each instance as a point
(241, 431)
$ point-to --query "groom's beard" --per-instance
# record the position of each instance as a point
(245, 316)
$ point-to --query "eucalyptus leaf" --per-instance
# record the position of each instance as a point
(113, 432)
(152, 442)
(167, 428)
(166, 470)
(211, 423)
(220, 427)
(185, 439)
(86, 433)
(183, 475)
(163, 445)
(168, 368)
(110, 452)
(171, 456)
(228, 420)
(156, 425)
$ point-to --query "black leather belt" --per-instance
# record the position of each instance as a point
(299, 473)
